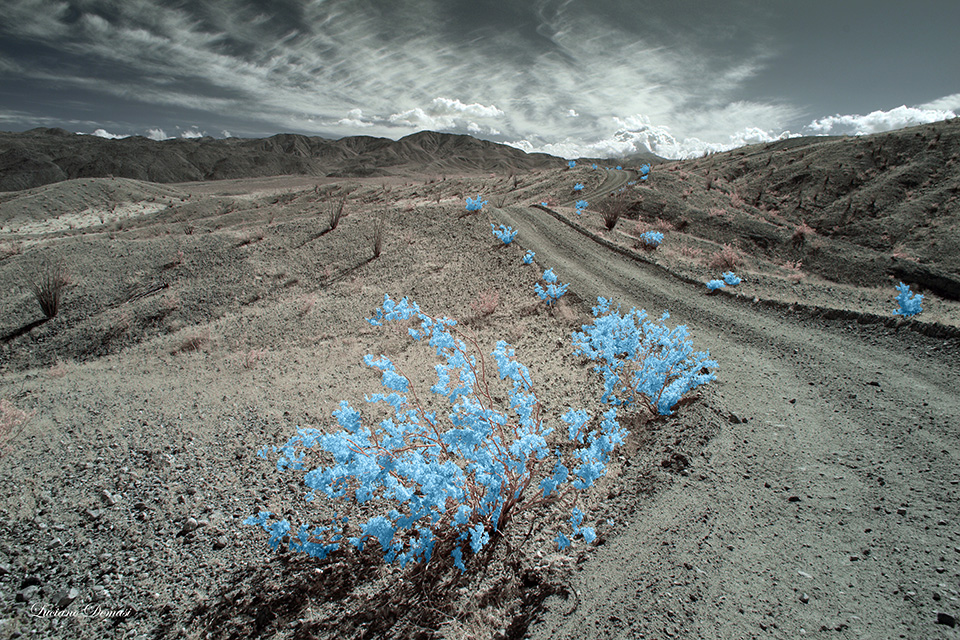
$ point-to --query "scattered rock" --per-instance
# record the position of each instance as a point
(26, 595)
(946, 619)
(66, 597)
(30, 581)
(804, 598)
(189, 525)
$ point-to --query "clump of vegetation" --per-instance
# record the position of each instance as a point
(11, 422)
(650, 240)
(614, 208)
(451, 482)
(801, 234)
(378, 233)
(554, 289)
(726, 259)
(48, 286)
(910, 303)
(504, 233)
(335, 212)
(486, 302)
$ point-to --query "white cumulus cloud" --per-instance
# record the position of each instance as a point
(103, 133)
(157, 134)
(877, 121)
(946, 103)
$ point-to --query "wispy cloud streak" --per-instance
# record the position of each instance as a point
(548, 75)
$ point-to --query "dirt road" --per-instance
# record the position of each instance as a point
(827, 505)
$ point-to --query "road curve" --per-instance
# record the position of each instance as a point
(828, 501)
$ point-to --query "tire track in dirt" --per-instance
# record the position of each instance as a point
(828, 499)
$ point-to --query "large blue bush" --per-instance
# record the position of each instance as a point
(640, 359)
(449, 479)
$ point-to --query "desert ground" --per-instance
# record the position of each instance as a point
(810, 490)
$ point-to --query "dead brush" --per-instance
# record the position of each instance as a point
(378, 234)
(801, 235)
(12, 421)
(48, 286)
(694, 253)
(485, 303)
(191, 343)
(613, 208)
(726, 258)
(335, 212)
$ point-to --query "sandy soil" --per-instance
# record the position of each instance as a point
(812, 489)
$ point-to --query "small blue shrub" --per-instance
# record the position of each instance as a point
(651, 239)
(594, 165)
(475, 205)
(578, 186)
(571, 164)
(505, 233)
(619, 168)
(645, 172)
(528, 258)
(910, 303)
(581, 205)
(640, 359)
(731, 279)
(553, 291)
(713, 285)
(443, 482)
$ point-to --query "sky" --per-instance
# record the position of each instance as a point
(574, 78)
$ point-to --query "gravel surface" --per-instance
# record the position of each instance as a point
(810, 490)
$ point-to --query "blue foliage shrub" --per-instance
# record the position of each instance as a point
(910, 303)
(731, 279)
(445, 481)
(475, 205)
(504, 233)
(713, 285)
(651, 239)
(642, 360)
(553, 291)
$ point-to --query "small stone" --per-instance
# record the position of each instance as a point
(26, 595)
(804, 598)
(901, 511)
(66, 597)
(30, 581)
(946, 619)
(221, 542)
(109, 498)
(190, 525)
(793, 499)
